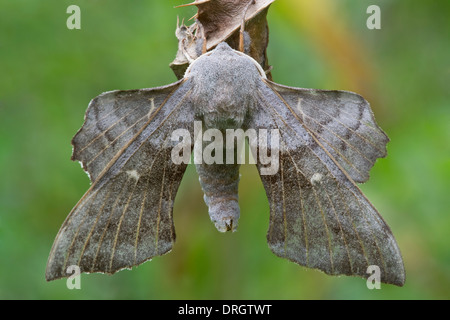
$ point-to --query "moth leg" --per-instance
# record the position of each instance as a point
(202, 35)
(186, 54)
(241, 32)
(184, 34)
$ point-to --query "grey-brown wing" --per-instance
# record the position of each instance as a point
(318, 216)
(125, 218)
(111, 121)
(343, 123)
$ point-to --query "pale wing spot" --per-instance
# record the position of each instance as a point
(133, 174)
(316, 178)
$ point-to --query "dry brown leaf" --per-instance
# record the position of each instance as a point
(218, 21)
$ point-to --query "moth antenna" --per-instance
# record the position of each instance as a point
(179, 31)
(241, 32)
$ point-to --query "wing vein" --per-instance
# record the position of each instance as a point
(284, 208)
(297, 172)
(353, 225)
(271, 204)
(143, 203)
(326, 227)
(108, 115)
(343, 140)
(371, 233)
(113, 251)
(340, 227)
(170, 213)
(107, 224)
(109, 128)
(141, 211)
(146, 139)
(99, 181)
(93, 227)
(76, 234)
(355, 132)
(158, 220)
(111, 142)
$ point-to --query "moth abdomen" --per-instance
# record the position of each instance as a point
(220, 187)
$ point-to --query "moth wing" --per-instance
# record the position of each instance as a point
(318, 216)
(342, 122)
(111, 121)
(125, 218)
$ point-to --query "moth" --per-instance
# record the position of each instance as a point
(319, 218)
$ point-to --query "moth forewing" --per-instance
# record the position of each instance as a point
(319, 217)
(342, 122)
(125, 218)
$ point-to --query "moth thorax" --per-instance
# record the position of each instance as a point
(224, 112)
(224, 86)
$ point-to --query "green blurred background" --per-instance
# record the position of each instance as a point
(48, 74)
